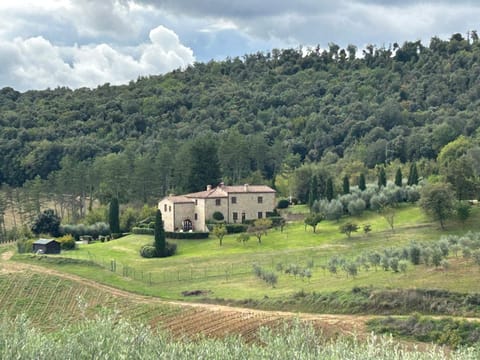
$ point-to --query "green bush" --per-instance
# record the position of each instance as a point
(217, 215)
(170, 249)
(67, 242)
(25, 245)
(283, 204)
(143, 231)
(148, 251)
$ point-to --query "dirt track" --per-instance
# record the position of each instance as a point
(209, 319)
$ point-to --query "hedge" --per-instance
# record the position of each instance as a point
(236, 228)
(186, 235)
(172, 235)
(276, 220)
(78, 230)
(143, 231)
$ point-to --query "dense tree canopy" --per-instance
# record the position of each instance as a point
(248, 118)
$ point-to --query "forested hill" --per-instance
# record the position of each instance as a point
(257, 114)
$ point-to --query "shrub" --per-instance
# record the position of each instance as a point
(218, 216)
(414, 253)
(25, 246)
(334, 210)
(170, 249)
(67, 242)
(283, 204)
(268, 276)
(356, 207)
(348, 228)
(148, 251)
(394, 264)
(412, 194)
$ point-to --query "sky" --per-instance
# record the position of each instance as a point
(86, 43)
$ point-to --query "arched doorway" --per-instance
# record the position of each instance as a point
(187, 225)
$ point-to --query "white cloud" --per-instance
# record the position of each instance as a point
(36, 63)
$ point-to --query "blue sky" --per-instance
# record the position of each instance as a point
(77, 43)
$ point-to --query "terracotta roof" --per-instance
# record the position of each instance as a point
(179, 199)
(217, 192)
(221, 191)
(249, 189)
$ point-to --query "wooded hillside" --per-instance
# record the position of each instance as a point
(253, 116)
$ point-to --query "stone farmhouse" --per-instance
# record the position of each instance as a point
(236, 203)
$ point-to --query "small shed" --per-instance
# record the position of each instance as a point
(46, 246)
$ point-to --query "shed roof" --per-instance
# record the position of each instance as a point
(44, 241)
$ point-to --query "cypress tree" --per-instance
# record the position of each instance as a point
(382, 178)
(114, 216)
(413, 175)
(346, 184)
(159, 232)
(398, 177)
(329, 193)
(361, 182)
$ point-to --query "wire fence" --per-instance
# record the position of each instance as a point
(190, 273)
(6, 241)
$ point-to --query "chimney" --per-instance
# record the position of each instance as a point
(221, 185)
(245, 187)
(209, 187)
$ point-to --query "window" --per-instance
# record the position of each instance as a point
(218, 202)
(170, 208)
(260, 214)
(196, 216)
(260, 199)
(165, 208)
(234, 199)
(235, 216)
(196, 202)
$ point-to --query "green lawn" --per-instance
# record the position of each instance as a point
(227, 270)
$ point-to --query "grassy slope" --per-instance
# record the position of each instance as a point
(226, 270)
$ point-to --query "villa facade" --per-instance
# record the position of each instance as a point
(190, 212)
